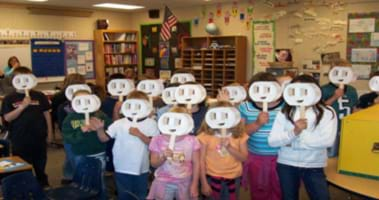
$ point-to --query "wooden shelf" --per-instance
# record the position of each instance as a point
(219, 67)
(115, 46)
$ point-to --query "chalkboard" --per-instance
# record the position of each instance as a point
(151, 46)
(47, 57)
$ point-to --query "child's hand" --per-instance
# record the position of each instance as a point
(134, 131)
(206, 189)
(85, 128)
(339, 93)
(376, 100)
(223, 95)
(225, 142)
(26, 102)
(168, 153)
(300, 125)
(96, 124)
(117, 106)
(194, 191)
(263, 118)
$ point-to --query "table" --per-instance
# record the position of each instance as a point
(25, 167)
(362, 186)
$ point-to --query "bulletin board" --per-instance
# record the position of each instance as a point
(263, 44)
(79, 58)
(151, 48)
(47, 57)
(363, 42)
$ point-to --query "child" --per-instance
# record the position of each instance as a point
(83, 138)
(343, 102)
(166, 108)
(130, 152)
(220, 174)
(260, 168)
(29, 124)
(303, 146)
(368, 99)
(175, 178)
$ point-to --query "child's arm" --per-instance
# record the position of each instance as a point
(157, 159)
(262, 119)
(136, 132)
(279, 136)
(205, 188)
(14, 114)
(98, 126)
(337, 94)
(240, 155)
(116, 111)
(47, 116)
(194, 190)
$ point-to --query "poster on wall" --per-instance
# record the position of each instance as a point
(364, 55)
(47, 57)
(79, 58)
(362, 25)
(263, 44)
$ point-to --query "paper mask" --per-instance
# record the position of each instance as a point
(86, 103)
(182, 78)
(265, 91)
(237, 94)
(120, 87)
(175, 124)
(222, 117)
(24, 81)
(374, 83)
(190, 94)
(341, 75)
(152, 88)
(70, 90)
(168, 95)
(302, 94)
(136, 108)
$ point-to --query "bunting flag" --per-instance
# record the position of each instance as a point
(168, 22)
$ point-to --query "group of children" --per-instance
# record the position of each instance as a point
(271, 152)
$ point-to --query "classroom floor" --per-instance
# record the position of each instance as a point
(56, 157)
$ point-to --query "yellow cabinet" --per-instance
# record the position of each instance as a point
(359, 147)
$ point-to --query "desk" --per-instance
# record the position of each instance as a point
(25, 167)
(362, 186)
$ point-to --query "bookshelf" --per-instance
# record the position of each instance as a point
(116, 51)
(217, 67)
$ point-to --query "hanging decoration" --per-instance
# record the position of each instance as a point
(196, 21)
(227, 17)
(235, 9)
(242, 14)
(203, 11)
(219, 10)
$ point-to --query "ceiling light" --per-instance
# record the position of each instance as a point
(118, 6)
(38, 0)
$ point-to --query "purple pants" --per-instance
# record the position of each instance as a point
(260, 173)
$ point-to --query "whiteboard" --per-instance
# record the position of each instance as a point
(22, 52)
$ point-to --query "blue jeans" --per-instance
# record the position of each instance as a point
(69, 162)
(131, 187)
(313, 178)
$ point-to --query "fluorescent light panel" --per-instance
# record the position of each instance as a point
(38, 0)
(118, 6)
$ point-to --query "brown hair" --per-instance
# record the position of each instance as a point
(10, 60)
(237, 131)
(73, 79)
(138, 95)
(340, 62)
(178, 109)
(80, 92)
(182, 71)
(98, 91)
(22, 70)
(374, 74)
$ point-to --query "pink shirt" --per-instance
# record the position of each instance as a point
(180, 167)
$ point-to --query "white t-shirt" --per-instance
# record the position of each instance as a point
(130, 154)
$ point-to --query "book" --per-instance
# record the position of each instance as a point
(7, 165)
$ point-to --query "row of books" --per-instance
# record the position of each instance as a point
(120, 48)
(120, 36)
(120, 59)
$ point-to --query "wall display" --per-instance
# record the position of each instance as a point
(47, 57)
(263, 44)
(151, 48)
(29, 34)
(79, 58)
(363, 39)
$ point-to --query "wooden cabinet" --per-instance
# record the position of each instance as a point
(215, 66)
(116, 51)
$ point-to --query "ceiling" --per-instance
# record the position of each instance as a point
(148, 4)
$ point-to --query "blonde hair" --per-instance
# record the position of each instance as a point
(237, 131)
(178, 109)
(138, 95)
(73, 79)
(80, 92)
(341, 62)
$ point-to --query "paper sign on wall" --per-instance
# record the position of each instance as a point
(362, 71)
(263, 45)
(374, 40)
(364, 55)
(362, 25)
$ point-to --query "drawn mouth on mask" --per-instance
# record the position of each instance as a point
(172, 130)
(134, 114)
(263, 98)
(119, 92)
(221, 124)
(340, 80)
(189, 99)
(85, 109)
(300, 101)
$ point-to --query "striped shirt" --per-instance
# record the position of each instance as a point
(258, 141)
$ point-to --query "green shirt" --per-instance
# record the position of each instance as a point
(343, 106)
(83, 143)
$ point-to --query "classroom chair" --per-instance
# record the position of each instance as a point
(86, 183)
(22, 186)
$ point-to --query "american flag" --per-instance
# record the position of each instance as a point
(168, 22)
